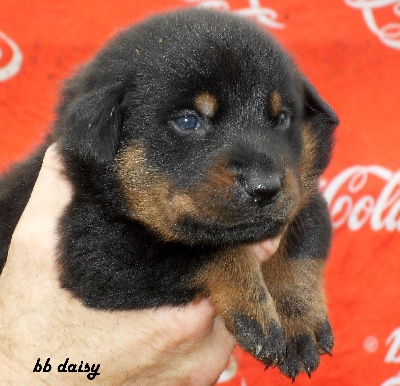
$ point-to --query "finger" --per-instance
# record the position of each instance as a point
(192, 323)
(212, 343)
(265, 249)
(214, 355)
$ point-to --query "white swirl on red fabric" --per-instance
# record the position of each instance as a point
(12, 66)
(265, 16)
(389, 34)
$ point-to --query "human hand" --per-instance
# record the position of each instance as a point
(164, 346)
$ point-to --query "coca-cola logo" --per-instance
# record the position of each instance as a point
(393, 356)
(10, 57)
(265, 16)
(389, 33)
(395, 381)
(364, 196)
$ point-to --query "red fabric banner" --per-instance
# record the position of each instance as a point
(350, 50)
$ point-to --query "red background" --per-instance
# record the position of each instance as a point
(351, 67)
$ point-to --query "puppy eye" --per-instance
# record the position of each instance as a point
(187, 122)
(283, 120)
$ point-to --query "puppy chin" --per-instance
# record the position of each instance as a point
(195, 232)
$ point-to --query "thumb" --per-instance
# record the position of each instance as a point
(51, 193)
(35, 234)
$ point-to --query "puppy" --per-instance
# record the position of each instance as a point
(186, 138)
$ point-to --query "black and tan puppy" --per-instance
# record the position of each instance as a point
(186, 138)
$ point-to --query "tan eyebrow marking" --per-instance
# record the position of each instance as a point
(206, 104)
(276, 103)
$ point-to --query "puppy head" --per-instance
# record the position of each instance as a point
(214, 136)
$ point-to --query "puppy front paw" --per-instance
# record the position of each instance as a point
(301, 307)
(304, 345)
(235, 285)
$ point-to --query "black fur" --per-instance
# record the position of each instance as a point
(131, 94)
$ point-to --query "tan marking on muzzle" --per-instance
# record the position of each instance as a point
(208, 197)
(155, 200)
(147, 192)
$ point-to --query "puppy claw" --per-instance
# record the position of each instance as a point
(324, 338)
(268, 363)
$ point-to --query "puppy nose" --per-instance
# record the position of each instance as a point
(263, 188)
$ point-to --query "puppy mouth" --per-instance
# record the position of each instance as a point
(231, 222)
(201, 231)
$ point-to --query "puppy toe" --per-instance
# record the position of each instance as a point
(276, 345)
(290, 365)
(308, 353)
(267, 344)
(303, 350)
(324, 337)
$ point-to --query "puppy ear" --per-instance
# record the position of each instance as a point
(323, 121)
(90, 125)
